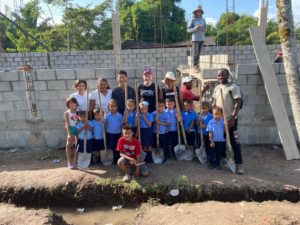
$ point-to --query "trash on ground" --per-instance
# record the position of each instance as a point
(174, 192)
(117, 207)
(56, 161)
(80, 210)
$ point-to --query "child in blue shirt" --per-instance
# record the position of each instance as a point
(188, 116)
(113, 124)
(84, 126)
(162, 121)
(172, 131)
(146, 120)
(98, 136)
(202, 124)
(130, 114)
(216, 128)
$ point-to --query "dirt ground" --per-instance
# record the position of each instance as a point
(216, 213)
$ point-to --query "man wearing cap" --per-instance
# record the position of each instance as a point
(146, 91)
(198, 28)
(186, 89)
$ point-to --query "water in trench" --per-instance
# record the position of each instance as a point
(96, 215)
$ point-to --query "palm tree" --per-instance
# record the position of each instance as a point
(288, 41)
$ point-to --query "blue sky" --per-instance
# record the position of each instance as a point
(213, 8)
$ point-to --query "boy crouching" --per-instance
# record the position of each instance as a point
(130, 150)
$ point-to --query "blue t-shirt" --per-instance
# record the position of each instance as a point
(173, 119)
(131, 118)
(149, 117)
(187, 118)
(197, 35)
(205, 119)
(97, 129)
(163, 117)
(217, 127)
(89, 132)
(113, 123)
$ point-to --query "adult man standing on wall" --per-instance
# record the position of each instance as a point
(198, 28)
(232, 104)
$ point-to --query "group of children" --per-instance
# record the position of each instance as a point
(122, 129)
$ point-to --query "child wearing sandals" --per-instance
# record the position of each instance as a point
(70, 121)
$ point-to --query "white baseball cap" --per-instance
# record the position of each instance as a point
(186, 79)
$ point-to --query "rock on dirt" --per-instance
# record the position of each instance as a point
(12, 215)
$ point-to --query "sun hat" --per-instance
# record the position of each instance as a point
(199, 8)
(169, 75)
(186, 79)
(147, 70)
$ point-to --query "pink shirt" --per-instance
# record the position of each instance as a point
(187, 94)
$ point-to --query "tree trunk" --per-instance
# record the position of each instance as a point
(290, 58)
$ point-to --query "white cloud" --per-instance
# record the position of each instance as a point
(211, 21)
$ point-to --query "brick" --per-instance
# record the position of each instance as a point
(45, 75)
(56, 85)
(17, 115)
(9, 76)
(18, 85)
(65, 74)
(47, 95)
(247, 69)
(40, 85)
(5, 86)
(6, 106)
(85, 73)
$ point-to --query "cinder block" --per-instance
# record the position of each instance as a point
(92, 84)
(247, 112)
(21, 105)
(263, 111)
(52, 115)
(281, 68)
(58, 104)
(3, 117)
(67, 74)
(85, 73)
(276, 67)
(55, 138)
(14, 96)
(105, 73)
(283, 89)
(40, 85)
(18, 85)
(255, 100)
(261, 90)
(47, 95)
(249, 89)
(14, 138)
(7, 106)
(45, 75)
(56, 85)
(63, 94)
(43, 105)
(9, 76)
(281, 78)
(5, 86)
(242, 79)
(247, 69)
(209, 73)
(17, 115)
(255, 79)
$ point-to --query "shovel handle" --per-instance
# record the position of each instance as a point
(157, 128)
(86, 118)
(200, 109)
(137, 109)
(126, 97)
(102, 118)
(179, 123)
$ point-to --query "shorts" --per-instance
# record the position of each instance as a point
(89, 145)
(146, 137)
(143, 168)
(98, 145)
(73, 130)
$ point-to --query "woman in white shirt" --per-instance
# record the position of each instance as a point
(80, 94)
(105, 94)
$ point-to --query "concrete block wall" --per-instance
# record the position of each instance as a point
(163, 59)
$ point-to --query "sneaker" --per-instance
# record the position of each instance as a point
(126, 177)
(239, 169)
(71, 166)
(196, 69)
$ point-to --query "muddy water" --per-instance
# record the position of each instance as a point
(96, 216)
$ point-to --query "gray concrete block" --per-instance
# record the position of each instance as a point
(281, 78)
(58, 104)
(247, 69)
(9, 76)
(18, 85)
(281, 68)
(55, 138)
(66, 74)
(56, 85)
(255, 100)
(284, 89)
(247, 112)
(5, 86)
(276, 67)
(242, 79)
(85, 74)
(261, 90)
(21, 105)
(14, 138)
(47, 95)
(249, 89)
(17, 115)
(92, 84)
(3, 117)
(52, 115)
(43, 105)
(14, 96)
(263, 111)
(45, 75)
(255, 79)
(105, 73)
(63, 94)
(7, 106)
(40, 85)
(209, 73)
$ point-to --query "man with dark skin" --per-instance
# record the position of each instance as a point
(232, 103)
(186, 89)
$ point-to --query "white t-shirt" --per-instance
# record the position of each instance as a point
(104, 99)
(81, 100)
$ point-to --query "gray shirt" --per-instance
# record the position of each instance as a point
(197, 35)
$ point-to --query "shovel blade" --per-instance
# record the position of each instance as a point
(84, 160)
(107, 157)
(201, 154)
(157, 155)
(179, 151)
(231, 164)
(189, 153)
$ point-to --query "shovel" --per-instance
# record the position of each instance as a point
(200, 152)
(157, 153)
(106, 155)
(126, 98)
(179, 149)
(229, 152)
(84, 158)
(189, 151)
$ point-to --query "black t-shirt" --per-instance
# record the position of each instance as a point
(170, 94)
(119, 96)
(147, 93)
